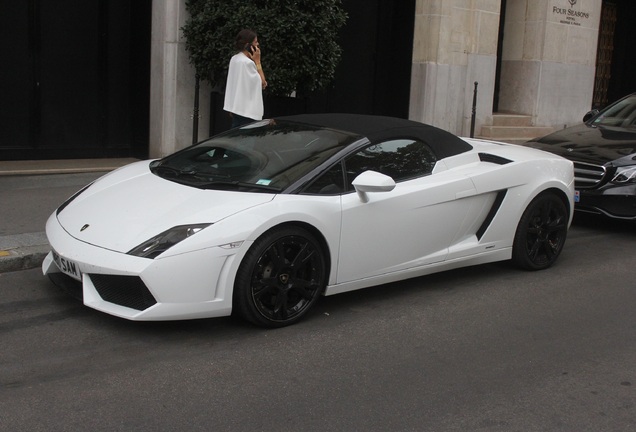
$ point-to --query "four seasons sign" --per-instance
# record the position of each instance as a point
(569, 15)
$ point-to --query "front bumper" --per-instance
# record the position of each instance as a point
(192, 285)
(618, 202)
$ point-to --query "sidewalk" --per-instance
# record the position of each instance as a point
(61, 166)
(21, 251)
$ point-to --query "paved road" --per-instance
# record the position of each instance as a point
(488, 348)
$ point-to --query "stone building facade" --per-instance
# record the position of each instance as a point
(545, 68)
(549, 58)
(530, 57)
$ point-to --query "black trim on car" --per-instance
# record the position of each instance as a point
(128, 291)
(70, 286)
(491, 214)
(68, 201)
(487, 157)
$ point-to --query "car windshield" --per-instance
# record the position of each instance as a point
(621, 114)
(265, 156)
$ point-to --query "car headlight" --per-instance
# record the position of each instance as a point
(164, 241)
(625, 175)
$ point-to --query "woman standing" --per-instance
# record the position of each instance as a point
(245, 81)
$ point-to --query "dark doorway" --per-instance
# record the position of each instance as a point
(374, 76)
(76, 79)
(500, 38)
(623, 68)
(604, 54)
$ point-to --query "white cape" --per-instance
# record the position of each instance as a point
(244, 89)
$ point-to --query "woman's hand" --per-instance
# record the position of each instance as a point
(255, 54)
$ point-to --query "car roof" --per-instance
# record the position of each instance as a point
(380, 128)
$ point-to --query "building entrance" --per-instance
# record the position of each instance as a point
(75, 80)
(616, 60)
(615, 65)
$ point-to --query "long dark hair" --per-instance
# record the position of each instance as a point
(244, 37)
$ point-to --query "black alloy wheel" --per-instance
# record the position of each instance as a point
(541, 233)
(280, 278)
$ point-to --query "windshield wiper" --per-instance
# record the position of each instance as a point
(185, 176)
(170, 171)
(236, 184)
(195, 179)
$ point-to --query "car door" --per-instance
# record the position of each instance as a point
(410, 226)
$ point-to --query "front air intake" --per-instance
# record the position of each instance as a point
(128, 291)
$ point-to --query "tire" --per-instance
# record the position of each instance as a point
(541, 233)
(280, 278)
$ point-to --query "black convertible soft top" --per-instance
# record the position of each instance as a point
(380, 128)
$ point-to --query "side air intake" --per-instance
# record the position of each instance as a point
(487, 157)
(491, 214)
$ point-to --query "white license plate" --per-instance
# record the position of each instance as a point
(67, 266)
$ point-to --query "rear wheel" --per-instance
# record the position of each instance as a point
(541, 233)
(280, 278)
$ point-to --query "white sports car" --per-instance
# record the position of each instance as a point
(263, 220)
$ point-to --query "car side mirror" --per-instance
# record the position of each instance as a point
(588, 115)
(372, 181)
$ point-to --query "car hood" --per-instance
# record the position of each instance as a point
(596, 145)
(129, 206)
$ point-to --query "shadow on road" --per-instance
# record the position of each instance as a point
(603, 224)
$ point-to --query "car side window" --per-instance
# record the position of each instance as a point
(402, 159)
(329, 183)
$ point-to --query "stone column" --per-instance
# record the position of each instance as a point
(549, 58)
(172, 83)
(455, 44)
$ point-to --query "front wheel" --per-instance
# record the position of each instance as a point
(280, 278)
(541, 233)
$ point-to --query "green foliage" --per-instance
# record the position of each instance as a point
(298, 40)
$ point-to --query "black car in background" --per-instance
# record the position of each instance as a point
(603, 149)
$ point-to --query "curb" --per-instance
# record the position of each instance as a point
(22, 251)
(62, 166)
(23, 258)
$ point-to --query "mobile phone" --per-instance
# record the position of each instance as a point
(249, 48)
